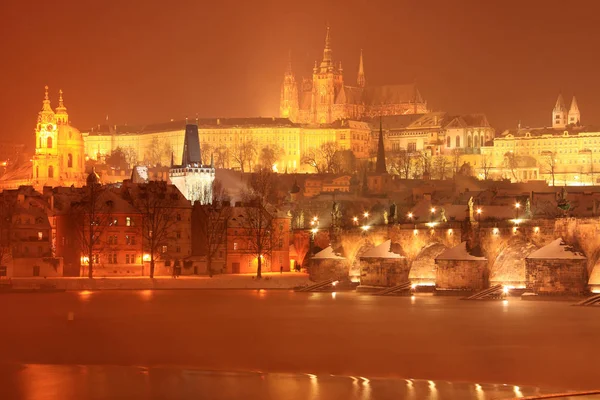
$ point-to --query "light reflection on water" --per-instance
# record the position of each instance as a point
(64, 382)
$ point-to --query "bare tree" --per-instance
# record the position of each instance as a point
(259, 218)
(214, 224)
(511, 163)
(422, 164)
(156, 203)
(548, 163)
(401, 162)
(243, 154)
(345, 162)
(440, 167)
(90, 216)
(323, 158)
(269, 155)
(486, 166)
(222, 157)
(206, 152)
(456, 158)
(158, 151)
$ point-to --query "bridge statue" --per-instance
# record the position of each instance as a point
(443, 215)
(471, 204)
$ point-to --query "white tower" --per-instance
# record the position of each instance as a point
(574, 114)
(559, 114)
(194, 180)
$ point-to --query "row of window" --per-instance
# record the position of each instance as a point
(129, 240)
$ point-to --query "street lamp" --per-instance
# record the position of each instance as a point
(366, 214)
(517, 206)
(432, 213)
(479, 214)
(410, 216)
(355, 221)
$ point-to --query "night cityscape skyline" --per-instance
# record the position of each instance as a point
(463, 61)
(299, 200)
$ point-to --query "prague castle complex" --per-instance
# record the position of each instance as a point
(313, 112)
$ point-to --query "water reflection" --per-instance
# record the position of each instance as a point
(50, 382)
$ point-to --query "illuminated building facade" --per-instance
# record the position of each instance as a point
(59, 148)
(225, 139)
(564, 154)
(325, 98)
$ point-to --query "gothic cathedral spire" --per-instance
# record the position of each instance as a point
(380, 167)
(327, 57)
(288, 105)
(361, 71)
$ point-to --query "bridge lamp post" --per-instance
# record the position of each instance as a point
(479, 211)
(517, 206)
(313, 233)
(432, 213)
(355, 221)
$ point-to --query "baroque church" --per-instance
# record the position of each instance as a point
(326, 98)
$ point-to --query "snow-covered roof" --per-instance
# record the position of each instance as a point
(459, 252)
(384, 250)
(328, 253)
(557, 249)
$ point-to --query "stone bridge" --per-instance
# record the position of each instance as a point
(505, 245)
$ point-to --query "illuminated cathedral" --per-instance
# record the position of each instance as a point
(326, 98)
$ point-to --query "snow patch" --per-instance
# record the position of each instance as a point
(381, 251)
(459, 252)
(557, 249)
(328, 253)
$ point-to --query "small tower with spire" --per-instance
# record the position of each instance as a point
(574, 114)
(559, 114)
(380, 166)
(288, 106)
(62, 118)
(361, 72)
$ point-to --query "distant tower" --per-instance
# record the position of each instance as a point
(288, 106)
(559, 114)
(45, 160)
(62, 118)
(327, 82)
(380, 167)
(574, 114)
(361, 72)
(194, 180)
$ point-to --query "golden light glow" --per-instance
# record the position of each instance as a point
(516, 221)
(314, 230)
(275, 168)
(365, 227)
(315, 218)
(85, 260)
(431, 224)
(333, 294)
(515, 229)
(355, 219)
(432, 210)
(495, 231)
(146, 257)
(536, 229)
(410, 215)
(505, 289)
(450, 232)
(366, 214)
(415, 232)
(517, 205)
(479, 211)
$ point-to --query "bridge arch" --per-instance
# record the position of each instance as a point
(509, 266)
(422, 268)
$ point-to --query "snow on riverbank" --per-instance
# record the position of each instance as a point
(270, 280)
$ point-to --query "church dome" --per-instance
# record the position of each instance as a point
(93, 178)
(68, 133)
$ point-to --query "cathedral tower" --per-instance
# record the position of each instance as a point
(559, 114)
(361, 81)
(288, 106)
(327, 82)
(45, 160)
(574, 114)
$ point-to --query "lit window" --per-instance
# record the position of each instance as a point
(128, 221)
(235, 245)
(164, 249)
(40, 235)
